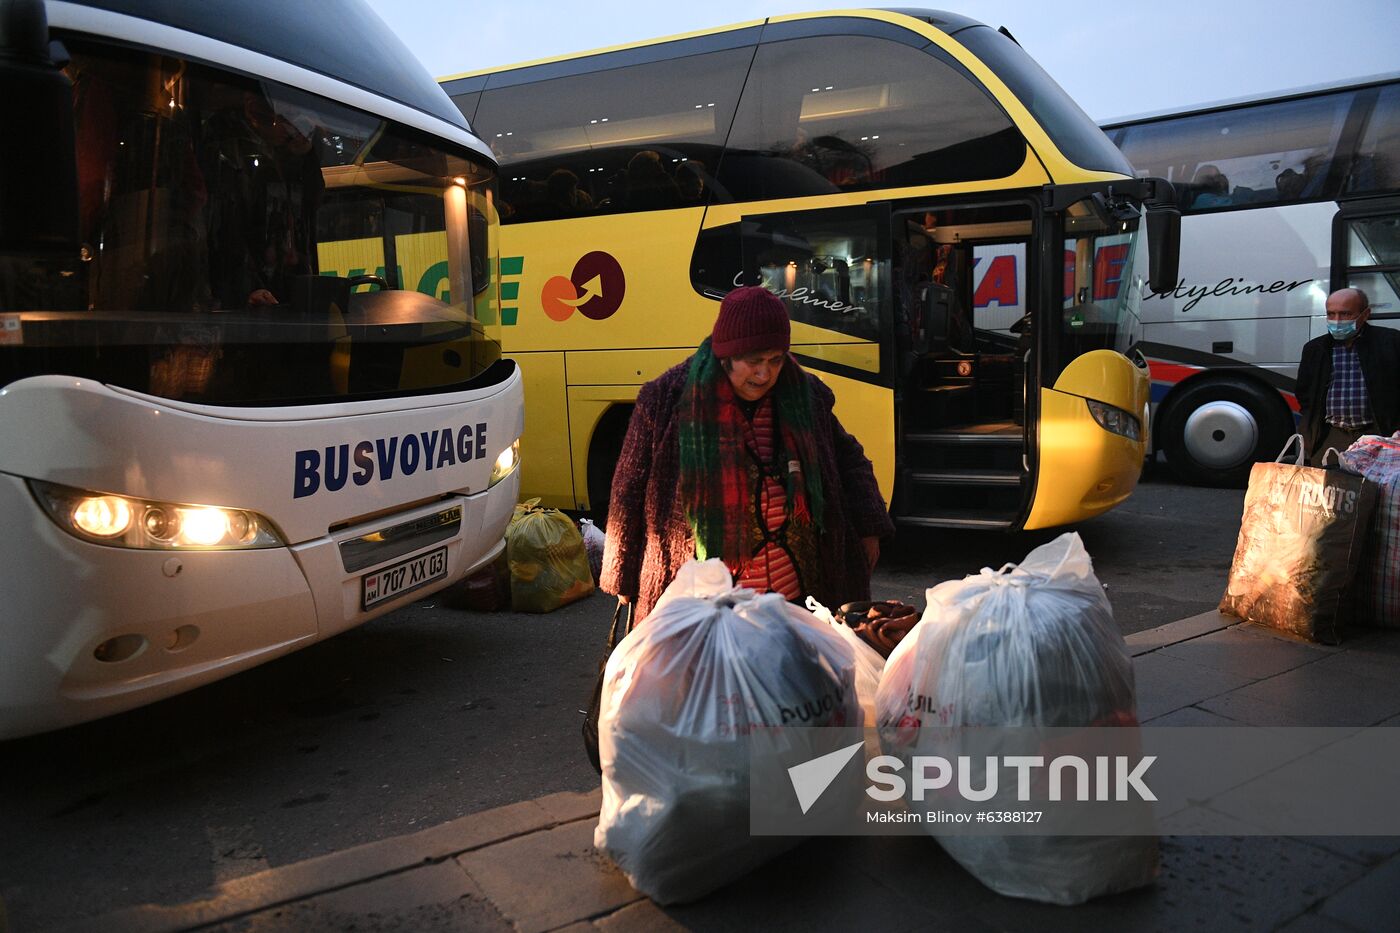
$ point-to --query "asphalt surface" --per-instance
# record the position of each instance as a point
(430, 714)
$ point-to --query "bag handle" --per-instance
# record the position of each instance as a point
(1302, 454)
(621, 625)
(1335, 454)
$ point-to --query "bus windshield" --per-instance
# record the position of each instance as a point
(1102, 300)
(224, 221)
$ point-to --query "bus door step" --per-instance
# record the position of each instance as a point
(966, 477)
(977, 495)
(956, 519)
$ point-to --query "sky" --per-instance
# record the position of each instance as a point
(1115, 57)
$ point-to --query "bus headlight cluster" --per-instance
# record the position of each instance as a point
(1115, 420)
(124, 521)
(507, 461)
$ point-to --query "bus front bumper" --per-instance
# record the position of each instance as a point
(92, 630)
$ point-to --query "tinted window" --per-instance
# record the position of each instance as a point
(1078, 138)
(1247, 156)
(845, 113)
(1377, 163)
(222, 221)
(467, 104)
(828, 266)
(1373, 262)
(643, 137)
(340, 38)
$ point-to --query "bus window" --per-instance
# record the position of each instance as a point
(1373, 261)
(847, 113)
(592, 144)
(1102, 266)
(827, 266)
(1055, 110)
(219, 215)
(1377, 164)
(1246, 156)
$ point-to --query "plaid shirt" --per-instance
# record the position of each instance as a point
(1348, 405)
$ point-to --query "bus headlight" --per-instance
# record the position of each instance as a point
(125, 521)
(507, 461)
(1115, 420)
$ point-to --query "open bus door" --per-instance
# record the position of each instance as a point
(1366, 254)
(964, 353)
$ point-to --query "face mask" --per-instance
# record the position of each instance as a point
(1341, 330)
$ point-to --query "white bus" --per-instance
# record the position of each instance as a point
(251, 391)
(1284, 199)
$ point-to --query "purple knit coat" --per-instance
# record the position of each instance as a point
(648, 538)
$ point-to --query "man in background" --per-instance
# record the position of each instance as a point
(1349, 379)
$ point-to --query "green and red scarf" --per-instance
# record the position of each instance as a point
(714, 464)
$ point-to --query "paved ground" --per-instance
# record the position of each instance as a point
(530, 866)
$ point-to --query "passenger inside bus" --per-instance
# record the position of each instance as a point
(1211, 186)
(564, 196)
(265, 186)
(690, 178)
(649, 186)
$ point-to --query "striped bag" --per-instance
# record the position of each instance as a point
(1378, 583)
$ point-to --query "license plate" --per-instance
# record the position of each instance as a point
(403, 577)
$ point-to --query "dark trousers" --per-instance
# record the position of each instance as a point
(1340, 438)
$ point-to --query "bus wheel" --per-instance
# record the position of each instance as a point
(602, 461)
(1217, 430)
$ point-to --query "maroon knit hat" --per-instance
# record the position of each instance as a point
(750, 319)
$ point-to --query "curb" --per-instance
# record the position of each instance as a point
(276, 887)
(1174, 633)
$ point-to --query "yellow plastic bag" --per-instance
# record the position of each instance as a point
(548, 562)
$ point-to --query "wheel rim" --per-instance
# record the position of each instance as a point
(1221, 435)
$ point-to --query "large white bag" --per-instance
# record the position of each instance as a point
(682, 694)
(1027, 646)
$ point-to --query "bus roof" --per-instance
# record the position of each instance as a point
(330, 37)
(946, 22)
(1267, 97)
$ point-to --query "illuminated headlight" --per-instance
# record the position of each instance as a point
(1115, 419)
(507, 461)
(123, 521)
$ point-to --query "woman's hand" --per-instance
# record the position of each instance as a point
(624, 600)
(872, 550)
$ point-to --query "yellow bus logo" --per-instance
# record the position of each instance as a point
(595, 288)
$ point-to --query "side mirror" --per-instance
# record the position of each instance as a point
(38, 175)
(1163, 234)
(1164, 247)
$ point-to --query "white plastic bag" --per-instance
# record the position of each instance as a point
(682, 695)
(594, 541)
(1027, 646)
(869, 664)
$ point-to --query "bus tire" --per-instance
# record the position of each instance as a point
(1217, 430)
(603, 454)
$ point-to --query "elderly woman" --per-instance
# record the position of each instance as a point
(736, 453)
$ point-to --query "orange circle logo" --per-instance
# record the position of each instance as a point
(595, 288)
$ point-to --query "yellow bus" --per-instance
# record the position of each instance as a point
(875, 169)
